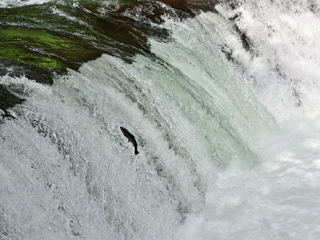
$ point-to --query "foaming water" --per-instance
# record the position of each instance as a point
(213, 163)
(283, 63)
(66, 148)
(279, 198)
(276, 200)
(187, 122)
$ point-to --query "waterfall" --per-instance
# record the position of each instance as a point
(224, 111)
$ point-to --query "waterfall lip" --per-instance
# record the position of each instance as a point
(41, 39)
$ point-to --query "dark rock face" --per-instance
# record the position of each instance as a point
(7, 100)
(192, 6)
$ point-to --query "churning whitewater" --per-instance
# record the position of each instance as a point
(226, 118)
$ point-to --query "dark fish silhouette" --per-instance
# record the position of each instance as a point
(131, 139)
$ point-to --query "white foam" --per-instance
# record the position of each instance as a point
(285, 63)
(278, 199)
(65, 158)
(275, 200)
(19, 3)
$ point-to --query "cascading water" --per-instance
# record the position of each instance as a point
(228, 149)
(279, 198)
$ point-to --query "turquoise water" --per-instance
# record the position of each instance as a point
(228, 149)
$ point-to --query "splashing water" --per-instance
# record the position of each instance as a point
(279, 198)
(228, 149)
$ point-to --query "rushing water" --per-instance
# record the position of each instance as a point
(227, 135)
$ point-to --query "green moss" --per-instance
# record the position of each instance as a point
(31, 46)
(41, 48)
(40, 40)
(18, 53)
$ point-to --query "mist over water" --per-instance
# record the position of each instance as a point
(228, 148)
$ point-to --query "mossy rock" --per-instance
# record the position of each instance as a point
(40, 41)
(37, 38)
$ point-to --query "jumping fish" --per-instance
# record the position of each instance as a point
(131, 139)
